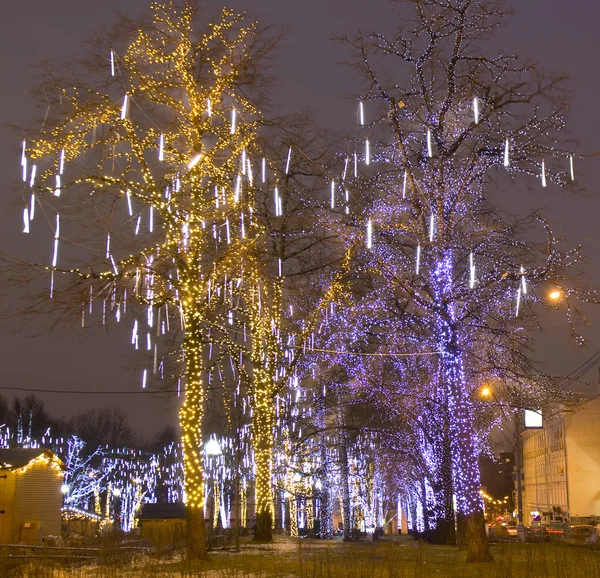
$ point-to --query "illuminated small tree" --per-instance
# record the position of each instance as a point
(145, 155)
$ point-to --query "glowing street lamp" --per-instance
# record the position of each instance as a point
(555, 295)
(212, 447)
(486, 391)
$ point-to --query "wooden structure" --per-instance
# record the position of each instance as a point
(162, 524)
(30, 495)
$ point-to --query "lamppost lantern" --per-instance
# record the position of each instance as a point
(555, 295)
(486, 391)
(212, 447)
(64, 489)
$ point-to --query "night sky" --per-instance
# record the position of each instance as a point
(561, 36)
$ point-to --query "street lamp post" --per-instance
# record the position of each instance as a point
(518, 460)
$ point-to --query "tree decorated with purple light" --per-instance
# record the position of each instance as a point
(446, 127)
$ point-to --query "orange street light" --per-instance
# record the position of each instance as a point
(486, 391)
(555, 294)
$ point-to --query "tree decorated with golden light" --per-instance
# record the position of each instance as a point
(149, 160)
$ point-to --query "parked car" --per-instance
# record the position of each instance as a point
(578, 534)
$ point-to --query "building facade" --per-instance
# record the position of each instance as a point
(30, 495)
(561, 465)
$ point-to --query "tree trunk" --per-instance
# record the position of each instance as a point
(465, 464)
(325, 514)
(190, 418)
(236, 503)
(345, 487)
(263, 420)
(264, 527)
(445, 529)
(474, 538)
(195, 533)
(325, 497)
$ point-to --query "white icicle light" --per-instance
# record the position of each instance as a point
(237, 190)
(472, 271)
(476, 110)
(25, 220)
(369, 234)
(57, 187)
(194, 160)
(56, 236)
(518, 301)
(33, 173)
(404, 183)
(161, 147)
(361, 113)
(287, 162)
(107, 245)
(263, 170)
(346, 161)
(543, 173)
(276, 201)
(431, 227)
(418, 265)
(571, 168)
(523, 281)
(333, 194)
(112, 62)
(144, 378)
(124, 107)
(129, 205)
(367, 152)
(355, 165)
(506, 152)
(208, 107)
(429, 144)
(151, 219)
(32, 207)
(233, 120)
(61, 166)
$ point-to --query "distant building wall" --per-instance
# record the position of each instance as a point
(583, 459)
(30, 494)
(561, 464)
